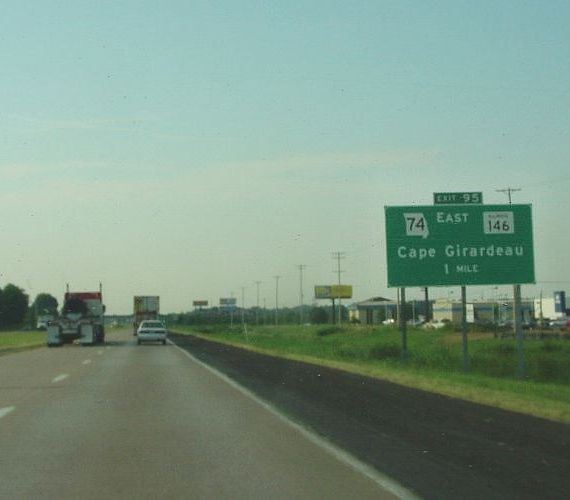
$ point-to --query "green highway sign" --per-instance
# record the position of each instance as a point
(458, 198)
(459, 245)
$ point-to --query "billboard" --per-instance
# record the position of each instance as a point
(323, 292)
(459, 245)
(228, 302)
(333, 291)
(200, 303)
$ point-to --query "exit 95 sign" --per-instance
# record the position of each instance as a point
(459, 245)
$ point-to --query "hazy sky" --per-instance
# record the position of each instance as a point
(190, 148)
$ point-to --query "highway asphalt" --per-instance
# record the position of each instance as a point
(440, 447)
(150, 421)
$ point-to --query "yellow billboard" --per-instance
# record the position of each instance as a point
(341, 291)
(333, 291)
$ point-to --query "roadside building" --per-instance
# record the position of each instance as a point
(376, 310)
(449, 310)
(551, 307)
(481, 312)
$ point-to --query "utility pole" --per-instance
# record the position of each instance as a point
(276, 299)
(243, 305)
(338, 256)
(257, 283)
(508, 192)
(301, 267)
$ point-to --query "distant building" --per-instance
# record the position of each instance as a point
(376, 310)
(484, 312)
(551, 307)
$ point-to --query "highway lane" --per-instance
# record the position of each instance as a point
(126, 421)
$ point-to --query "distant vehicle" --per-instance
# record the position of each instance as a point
(151, 331)
(561, 323)
(145, 307)
(43, 321)
(435, 324)
(415, 322)
(82, 318)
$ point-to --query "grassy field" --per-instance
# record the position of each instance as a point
(13, 341)
(434, 364)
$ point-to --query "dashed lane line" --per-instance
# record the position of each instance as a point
(86, 362)
(6, 410)
(59, 378)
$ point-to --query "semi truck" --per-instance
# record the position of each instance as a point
(81, 318)
(145, 307)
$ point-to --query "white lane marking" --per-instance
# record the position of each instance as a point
(59, 378)
(6, 410)
(341, 455)
(99, 353)
(86, 362)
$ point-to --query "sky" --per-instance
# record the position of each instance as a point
(188, 149)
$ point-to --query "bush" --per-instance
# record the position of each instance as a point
(550, 346)
(329, 330)
(385, 351)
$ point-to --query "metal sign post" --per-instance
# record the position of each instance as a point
(466, 364)
(517, 320)
(403, 324)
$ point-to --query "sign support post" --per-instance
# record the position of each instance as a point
(403, 324)
(466, 366)
(517, 321)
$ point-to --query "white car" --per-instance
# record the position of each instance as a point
(435, 324)
(151, 331)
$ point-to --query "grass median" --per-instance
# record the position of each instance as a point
(434, 363)
(12, 341)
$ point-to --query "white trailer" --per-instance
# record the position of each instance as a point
(145, 307)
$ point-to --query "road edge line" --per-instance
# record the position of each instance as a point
(4, 411)
(382, 480)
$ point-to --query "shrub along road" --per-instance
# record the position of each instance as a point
(438, 446)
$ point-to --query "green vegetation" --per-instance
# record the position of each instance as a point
(434, 363)
(13, 306)
(15, 341)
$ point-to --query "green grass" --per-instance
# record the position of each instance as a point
(435, 362)
(15, 341)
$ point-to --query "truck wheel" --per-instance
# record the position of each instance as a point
(164, 342)
(139, 341)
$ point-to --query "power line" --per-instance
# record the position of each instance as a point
(508, 192)
(257, 283)
(301, 267)
(338, 256)
(276, 298)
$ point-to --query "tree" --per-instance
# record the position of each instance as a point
(45, 304)
(319, 315)
(13, 306)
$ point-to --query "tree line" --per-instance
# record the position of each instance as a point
(252, 316)
(16, 310)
